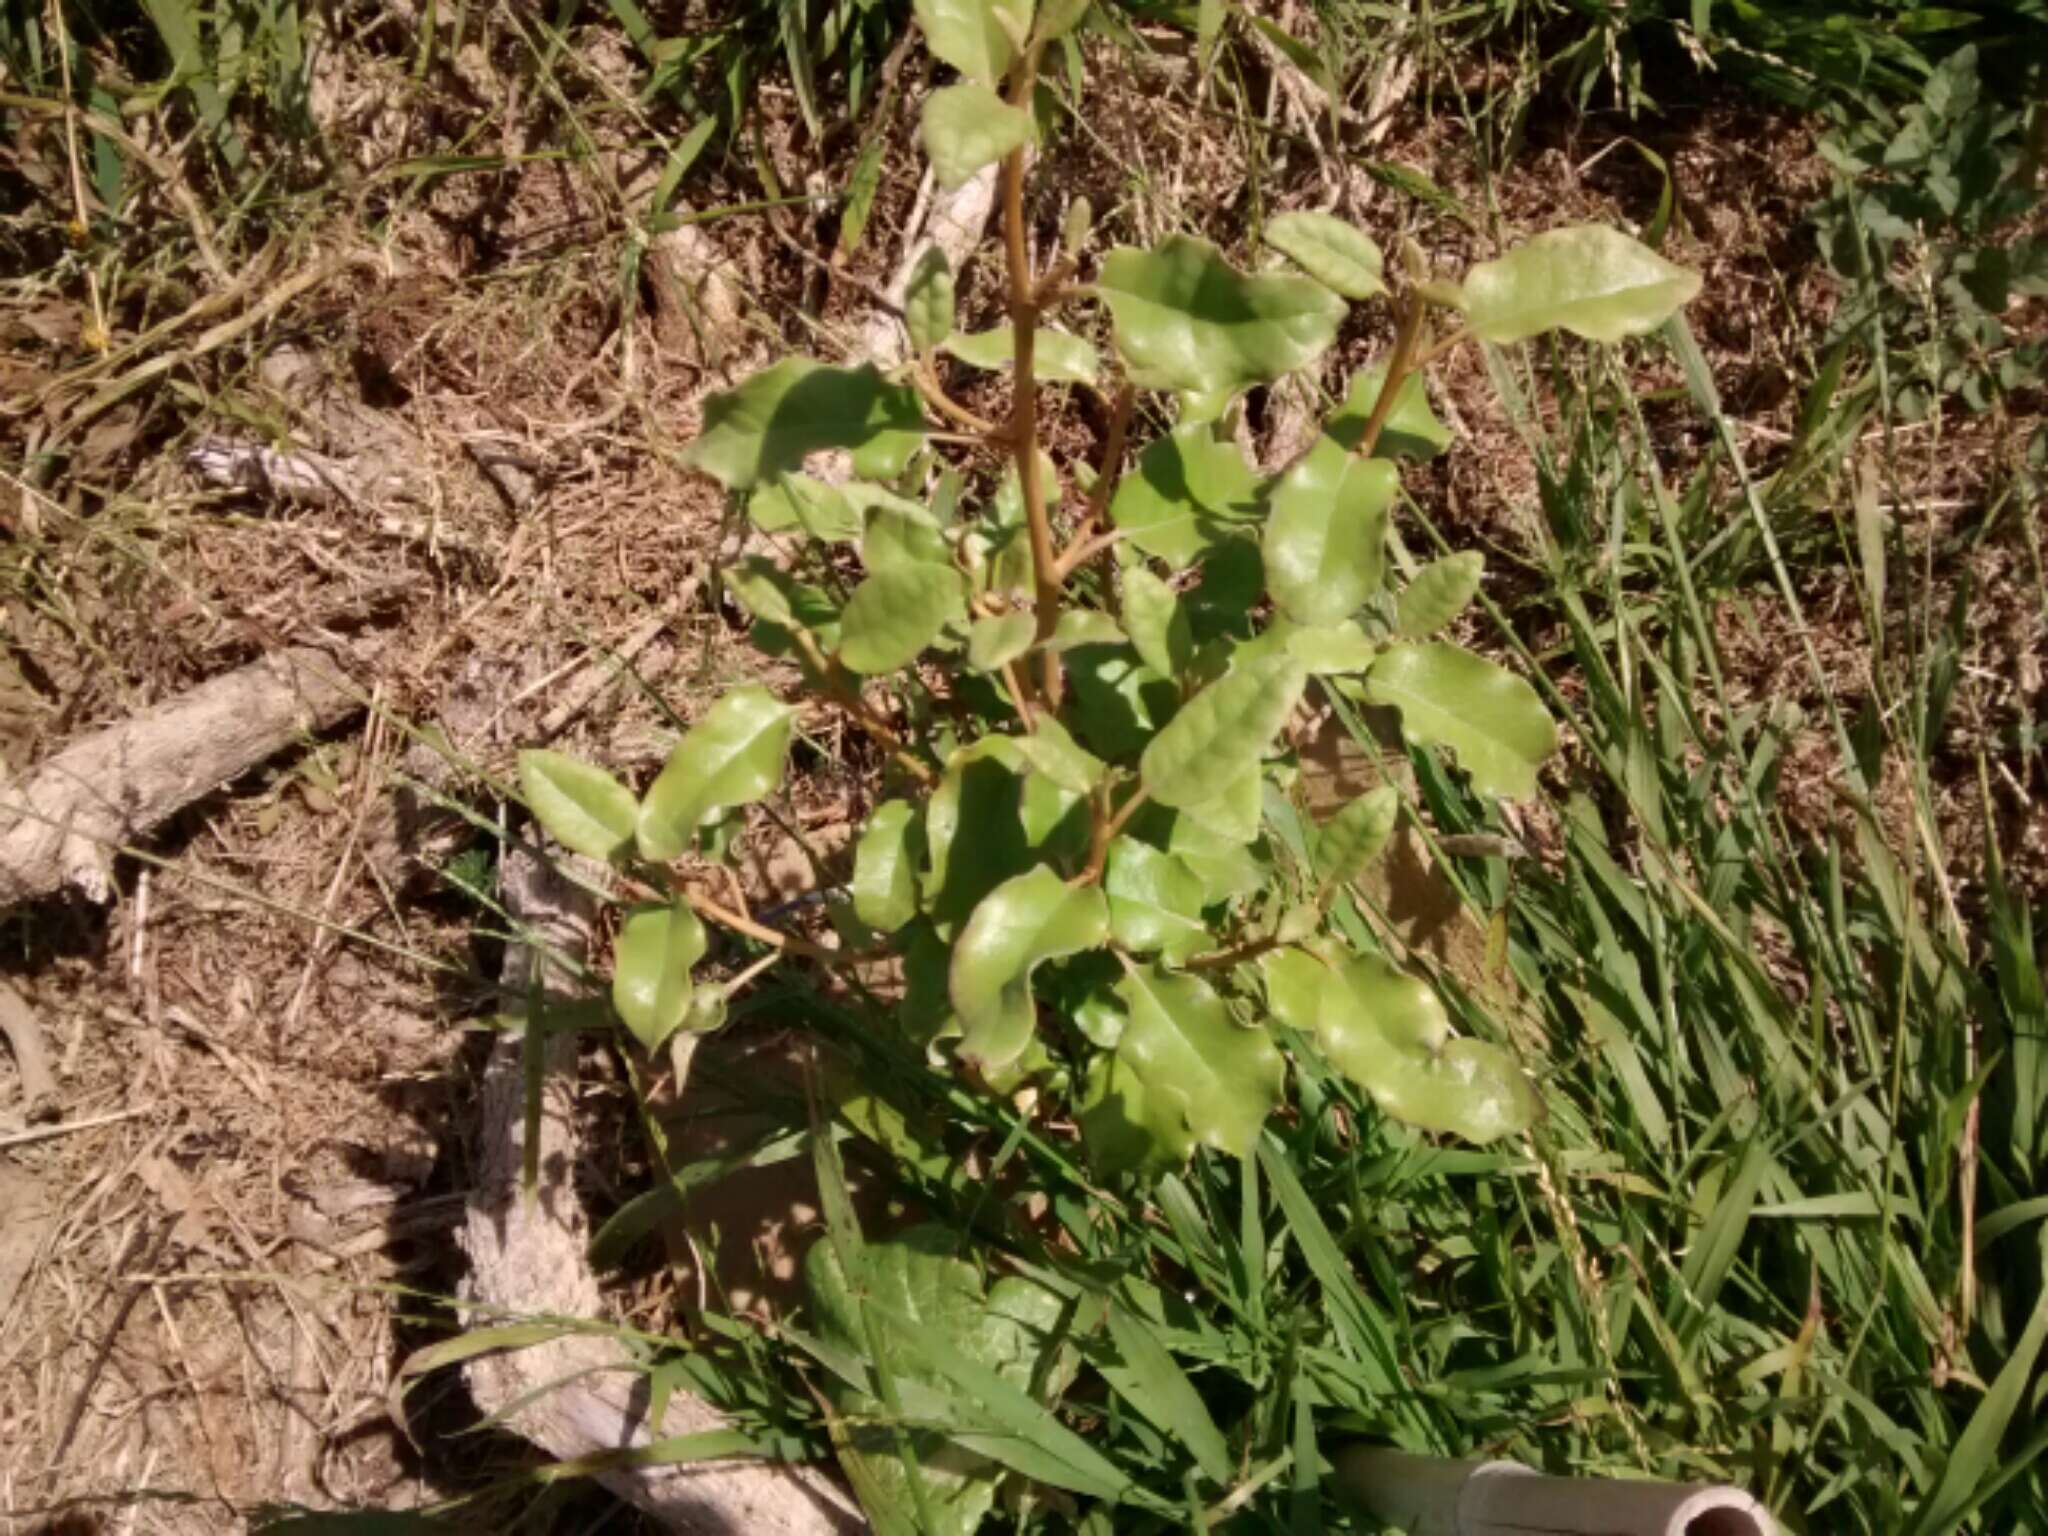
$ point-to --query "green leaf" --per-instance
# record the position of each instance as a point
(1183, 1073)
(1186, 319)
(1119, 702)
(974, 829)
(885, 865)
(980, 38)
(1438, 594)
(651, 969)
(914, 1282)
(999, 639)
(1353, 838)
(1325, 543)
(1160, 631)
(1027, 919)
(1232, 817)
(584, 808)
(803, 501)
(1221, 732)
(1329, 650)
(896, 613)
(1054, 753)
(769, 422)
(1083, 626)
(1057, 357)
(899, 532)
(966, 127)
(733, 756)
(1191, 489)
(1411, 430)
(1387, 1032)
(1155, 902)
(767, 591)
(1492, 721)
(1590, 280)
(928, 301)
(1336, 254)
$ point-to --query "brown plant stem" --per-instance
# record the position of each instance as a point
(926, 378)
(789, 943)
(1237, 954)
(1103, 830)
(1406, 338)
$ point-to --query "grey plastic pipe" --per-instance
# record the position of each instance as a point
(1428, 1496)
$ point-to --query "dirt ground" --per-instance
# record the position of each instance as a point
(227, 1227)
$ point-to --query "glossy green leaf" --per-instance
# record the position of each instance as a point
(1353, 838)
(896, 613)
(1438, 594)
(1232, 817)
(980, 38)
(769, 422)
(966, 127)
(1057, 357)
(1388, 1033)
(584, 808)
(733, 756)
(1183, 1073)
(1189, 490)
(1083, 626)
(928, 301)
(651, 969)
(1221, 732)
(1325, 543)
(1155, 902)
(998, 639)
(1411, 430)
(1329, 650)
(1590, 280)
(1055, 753)
(1029, 918)
(1119, 702)
(1335, 253)
(1159, 626)
(766, 591)
(806, 502)
(885, 866)
(1492, 721)
(977, 830)
(897, 532)
(1186, 319)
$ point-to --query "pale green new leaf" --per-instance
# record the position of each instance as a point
(885, 865)
(1353, 838)
(1057, 357)
(733, 756)
(1438, 594)
(928, 301)
(651, 969)
(806, 502)
(1155, 902)
(769, 422)
(896, 613)
(1055, 753)
(1032, 917)
(1325, 543)
(1158, 622)
(1492, 721)
(999, 639)
(1590, 280)
(1189, 489)
(980, 38)
(584, 808)
(1336, 254)
(1222, 732)
(1184, 1073)
(1186, 319)
(966, 127)
(1411, 430)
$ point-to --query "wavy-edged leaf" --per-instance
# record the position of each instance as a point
(1189, 490)
(895, 613)
(1027, 919)
(1221, 732)
(584, 808)
(1492, 721)
(1335, 253)
(980, 38)
(974, 829)
(928, 301)
(1438, 594)
(1053, 752)
(806, 502)
(1057, 357)
(1411, 430)
(1330, 650)
(1588, 279)
(1388, 1033)
(886, 860)
(768, 423)
(1186, 319)
(1233, 816)
(1155, 902)
(658, 943)
(1353, 838)
(733, 756)
(1183, 1073)
(966, 127)
(1325, 543)
(999, 639)
(1159, 626)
